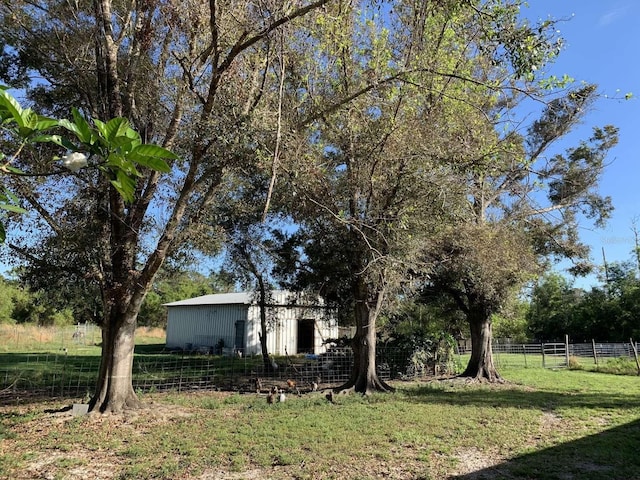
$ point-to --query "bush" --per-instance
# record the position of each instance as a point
(411, 355)
(574, 364)
(62, 318)
(618, 366)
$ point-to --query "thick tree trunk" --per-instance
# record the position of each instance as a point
(481, 366)
(364, 376)
(266, 358)
(264, 327)
(114, 389)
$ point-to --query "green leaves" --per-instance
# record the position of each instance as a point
(119, 148)
(8, 202)
(115, 148)
(23, 122)
(152, 156)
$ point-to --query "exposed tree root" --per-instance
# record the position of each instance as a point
(365, 386)
(482, 377)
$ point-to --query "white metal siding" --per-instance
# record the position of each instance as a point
(282, 336)
(195, 326)
(203, 326)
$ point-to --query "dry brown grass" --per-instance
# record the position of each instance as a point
(150, 332)
(32, 338)
(26, 336)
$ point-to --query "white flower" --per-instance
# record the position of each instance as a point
(74, 161)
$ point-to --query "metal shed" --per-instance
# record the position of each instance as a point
(228, 322)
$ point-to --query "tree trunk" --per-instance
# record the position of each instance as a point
(266, 358)
(114, 389)
(481, 366)
(364, 376)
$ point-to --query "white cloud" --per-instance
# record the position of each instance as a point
(612, 15)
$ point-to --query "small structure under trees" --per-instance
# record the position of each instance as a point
(230, 322)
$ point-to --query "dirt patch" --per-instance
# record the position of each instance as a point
(472, 460)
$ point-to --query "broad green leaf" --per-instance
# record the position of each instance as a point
(132, 134)
(72, 127)
(102, 128)
(84, 128)
(153, 163)
(44, 122)
(116, 127)
(125, 185)
(29, 118)
(24, 132)
(12, 208)
(148, 150)
(57, 139)
(119, 163)
(125, 144)
(11, 105)
(17, 171)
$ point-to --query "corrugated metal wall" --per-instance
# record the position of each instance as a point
(197, 327)
(193, 327)
(284, 323)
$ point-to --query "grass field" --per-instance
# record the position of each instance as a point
(544, 424)
(83, 340)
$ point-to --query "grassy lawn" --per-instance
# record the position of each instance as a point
(544, 424)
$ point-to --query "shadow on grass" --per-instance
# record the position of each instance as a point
(518, 397)
(151, 349)
(611, 455)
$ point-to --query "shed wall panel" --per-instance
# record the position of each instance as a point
(203, 326)
(282, 336)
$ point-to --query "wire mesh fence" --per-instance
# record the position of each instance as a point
(61, 374)
(69, 375)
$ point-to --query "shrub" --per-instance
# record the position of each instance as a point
(574, 364)
(618, 366)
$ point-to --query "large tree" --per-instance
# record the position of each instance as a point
(189, 76)
(373, 181)
(394, 168)
(525, 201)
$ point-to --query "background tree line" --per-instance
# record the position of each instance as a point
(546, 310)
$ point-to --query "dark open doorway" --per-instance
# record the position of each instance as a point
(306, 336)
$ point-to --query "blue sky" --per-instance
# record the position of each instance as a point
(602, 46)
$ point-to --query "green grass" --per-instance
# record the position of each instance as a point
(545, 424)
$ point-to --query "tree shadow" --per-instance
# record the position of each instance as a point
(611, 455)
(151, 349)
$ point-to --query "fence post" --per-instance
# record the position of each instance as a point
(595, 352)
(524, 352)
(635, 354)
(543, 359)
(566, 350)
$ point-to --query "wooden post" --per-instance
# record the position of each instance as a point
(566, 350)
(635, 354)
(542, 349)
(524, 351)
(595, 352)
